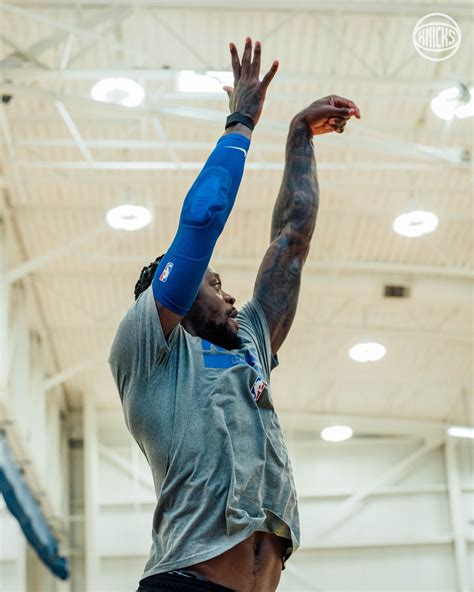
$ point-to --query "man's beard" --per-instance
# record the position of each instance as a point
(219, 334)
(206, 327)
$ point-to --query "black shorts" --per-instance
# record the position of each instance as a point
(175, 581)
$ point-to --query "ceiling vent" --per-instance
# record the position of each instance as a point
(391, 291)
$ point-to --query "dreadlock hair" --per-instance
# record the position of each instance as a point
(146, 276)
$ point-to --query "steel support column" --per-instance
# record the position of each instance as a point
(457, 516)
(90, 491)
(3, 313)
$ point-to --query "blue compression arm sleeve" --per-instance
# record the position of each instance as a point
(205, 211)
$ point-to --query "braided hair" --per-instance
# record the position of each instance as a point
(146, 276)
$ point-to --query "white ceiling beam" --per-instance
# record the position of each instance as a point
(396, 268)
(136, 165)
(130, 144)
(157, 74)
(34, 264)
(352, 330)
(360, 543)
(111, 17)
(279, 98)
(66, 55)
(160, 130)
(400, 8)
(84, 102)
(356, 138)
(341, 44)
(126, 144)
(190, 47)
(72, 128)
(39, 47)
(10, 157)
(353, 503)
(64, 375)
(332, 266)
(20, 55)
(18, 313)
(61, 24)
(437, 184)
(376, 425)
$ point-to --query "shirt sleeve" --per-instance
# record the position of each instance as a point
(139, 345)
(254, 326)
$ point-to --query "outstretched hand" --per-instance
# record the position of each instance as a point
(248, 94)
(329, 114)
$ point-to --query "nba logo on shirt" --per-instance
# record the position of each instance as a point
(166, 271)
(257, 388)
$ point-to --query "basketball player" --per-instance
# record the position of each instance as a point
(193, 372)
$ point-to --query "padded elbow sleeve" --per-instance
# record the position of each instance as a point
(205, 211)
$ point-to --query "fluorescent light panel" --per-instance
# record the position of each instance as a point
(121, 91)
(336, 433)
(367, 352)
(128, 217)
(210, 82)
(461, 432)
(416, 223)
(451, 103)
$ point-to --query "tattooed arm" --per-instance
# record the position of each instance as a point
(294, 215)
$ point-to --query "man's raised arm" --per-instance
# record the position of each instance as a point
(210, 200)
(294, 215)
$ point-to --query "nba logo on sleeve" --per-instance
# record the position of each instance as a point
(166, 271)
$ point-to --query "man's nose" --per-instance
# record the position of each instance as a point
(228, 298)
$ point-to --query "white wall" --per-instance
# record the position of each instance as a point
(398, 538)
(12, 553)
(32, 418)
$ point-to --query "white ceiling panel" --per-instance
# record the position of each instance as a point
(60, 178)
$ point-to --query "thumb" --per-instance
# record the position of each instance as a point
(229, 90)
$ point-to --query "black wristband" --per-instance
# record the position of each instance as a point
(239, 118)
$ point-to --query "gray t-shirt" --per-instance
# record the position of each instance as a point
(204, 418)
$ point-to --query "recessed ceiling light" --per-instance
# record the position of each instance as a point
(121, 91)
(336, 433)
(210, 82)
(128, 217)
(456, 101)
(367, 352)
(466, 110)
(461, 432)
(415, 223)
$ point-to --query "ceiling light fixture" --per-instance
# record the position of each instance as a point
(210, 82)
(416, 223)
(121, 91)
(456, 101)
(461, 432)
(128, 217)
(336, 433)
(367, 352)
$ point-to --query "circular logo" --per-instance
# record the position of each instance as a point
(436, 37)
